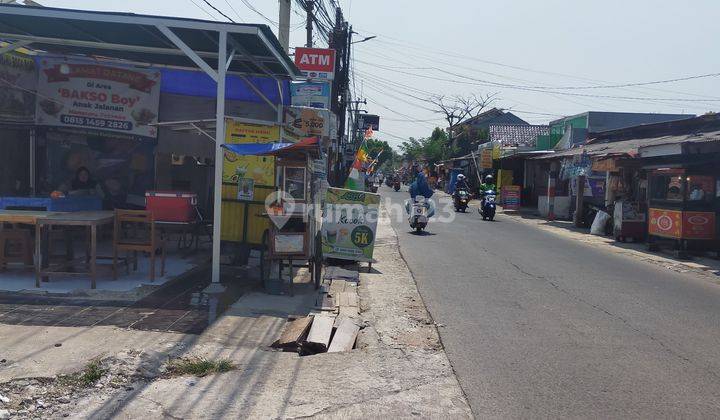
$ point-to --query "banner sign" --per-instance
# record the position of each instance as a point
(309, 94)
(260, 169)
(307, 122)
(17, 72)
(349, 224)
(486, 159)
(98, 96)
(511, 197)
(316, 63)
(366, 121)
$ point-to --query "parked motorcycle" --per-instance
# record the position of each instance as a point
(419, 211)
(461, 198)
(487, 207)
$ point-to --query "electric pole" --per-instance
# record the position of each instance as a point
(284, 25)
(309, 23)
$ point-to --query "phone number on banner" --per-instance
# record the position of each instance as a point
(96, 122)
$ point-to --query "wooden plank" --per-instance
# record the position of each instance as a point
(325, 303)
(347, 299)
(318, 338)
(294, 332)
(337, 286)
(345, 336)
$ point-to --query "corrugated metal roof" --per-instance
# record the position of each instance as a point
(630, 147)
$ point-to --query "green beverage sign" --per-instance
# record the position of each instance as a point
(349, 224)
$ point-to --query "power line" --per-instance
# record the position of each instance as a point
(252, 8)
(481, 82)
(234, 11)
(203, 9)
(407, 44)
(218, 10)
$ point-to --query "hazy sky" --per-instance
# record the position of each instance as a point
(517, 49)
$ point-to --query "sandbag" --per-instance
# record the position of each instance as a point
(598, 225)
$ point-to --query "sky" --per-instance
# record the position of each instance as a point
(539, 59)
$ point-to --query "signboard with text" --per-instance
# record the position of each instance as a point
(369, 121)
(310, 94)
(678, 224)
(306, 122)
(486, 159)
(316, 63)
(511, 197)
(349, 224)
(98, 96)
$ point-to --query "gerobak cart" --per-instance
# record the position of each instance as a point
(681, 209)
(293, 211)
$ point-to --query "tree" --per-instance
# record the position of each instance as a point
(378, 147)
(432, 149)
(459, 108)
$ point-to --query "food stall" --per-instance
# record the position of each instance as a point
(681, 209)
(293, 211)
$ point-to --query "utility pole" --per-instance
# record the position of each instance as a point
(284, 25)
(309, 23)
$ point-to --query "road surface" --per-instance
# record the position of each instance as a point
(536, 325)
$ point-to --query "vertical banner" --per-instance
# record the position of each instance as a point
(98, 96)
(511, 197)
(349, 224)
(486, 159)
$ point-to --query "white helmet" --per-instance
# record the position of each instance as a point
(460, 177)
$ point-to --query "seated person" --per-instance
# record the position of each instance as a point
(82, 184)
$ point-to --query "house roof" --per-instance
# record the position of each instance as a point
(144, 39)
(487, 117)
(509, 135)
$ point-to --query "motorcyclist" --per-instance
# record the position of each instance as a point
(461, 183)
(420, 187)
(488, 185)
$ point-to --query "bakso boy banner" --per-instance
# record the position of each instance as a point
(98, 96)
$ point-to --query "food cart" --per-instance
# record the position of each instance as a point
(293, 210)
(681, 209)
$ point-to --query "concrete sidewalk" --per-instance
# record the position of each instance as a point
(398, 370)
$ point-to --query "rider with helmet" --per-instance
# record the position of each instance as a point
(488, 184)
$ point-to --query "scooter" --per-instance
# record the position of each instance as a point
(461, 198)
(487, 207)
(418, 217)
(396, 185)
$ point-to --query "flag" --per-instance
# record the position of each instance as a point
(356, 178)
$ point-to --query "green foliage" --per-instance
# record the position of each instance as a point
(432, 149)
(198, 366)
(92, 373)
(374, 147)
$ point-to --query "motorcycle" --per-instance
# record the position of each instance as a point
(396, 185)
(418, 217)
(487, 207)
(461, 198)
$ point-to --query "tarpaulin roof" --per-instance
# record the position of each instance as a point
(257, 149)
(197, 83)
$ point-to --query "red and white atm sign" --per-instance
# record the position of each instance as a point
(316, 63)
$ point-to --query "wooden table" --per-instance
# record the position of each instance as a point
(88, 219)
(22, 216)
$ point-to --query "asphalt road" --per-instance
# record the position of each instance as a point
(536, 325)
